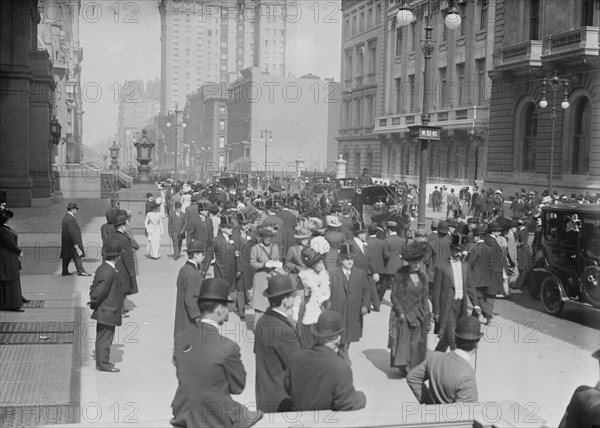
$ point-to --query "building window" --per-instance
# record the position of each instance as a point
(443, 87)
(413, 91)
(581, 139)
(534, 20)
(398, 94)
(354, 25)
(221, 161)
(587, 13)
(370, 18)
(267, 43)
(362, 22)
(346, 123)
(360, 57)
(413, 36)
(378, 14)
(347, 27)
(460, 75)
(463, 23)
(483, 14)
(529, 128)
(481, 79)
(358, 113)
(444, 32)
(222, 110)
(209, 33)
(221, 141)
(348, 66)
(222, 125)
(398, 41)
(372, 58)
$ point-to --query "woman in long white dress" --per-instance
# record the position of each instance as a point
(154, 228)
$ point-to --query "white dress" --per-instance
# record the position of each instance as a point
(154, 227)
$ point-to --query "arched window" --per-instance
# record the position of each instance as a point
(529, 137)
(581, 137)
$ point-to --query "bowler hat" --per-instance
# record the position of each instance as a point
(346, 251)
(412, 252)
(443, 227)
(279, 285)
(195, 247)
(513, 223)
(329, 325)
(112, 249)
(468, 328)
(458, 241)
(479, 231)
(494, 227)
(373, 228)
(358, 227)
(216, 289)
(120, 220)
(310, 257)
(213, 209)
(72, 205)
(243, 218)
(435, 223)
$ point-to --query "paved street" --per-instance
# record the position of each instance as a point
(526, 356)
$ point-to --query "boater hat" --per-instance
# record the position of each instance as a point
(215, 289)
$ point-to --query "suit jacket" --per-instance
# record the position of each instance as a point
(189, 280)
(289, 223)
(392, 251)
(496, 265)
(348, 298)
(243, 247)
(125, 263)
(335, 239)
(71, 236)
(583, 409)
(105, 231)
(376, 247)
(479, 260)
(363, 259)
(9, 254)
(444, 292)
(176, 225)
(276, 340)
(451, 380)
(202, 231)
(106, 296)
(320, 379)
(209, 369)
(225, 259)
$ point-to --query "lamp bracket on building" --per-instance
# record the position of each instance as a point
(419, 132)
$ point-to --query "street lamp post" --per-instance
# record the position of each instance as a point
(554, 83)
(266, 136)
(183, 125)
(424, 132)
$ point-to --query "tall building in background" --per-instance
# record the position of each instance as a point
(204, 42)
(58, 34)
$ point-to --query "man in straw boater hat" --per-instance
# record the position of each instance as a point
(451, 376)
(276, 340)
(350, 297)
(317, 378)
(189, 279)
(452, 288)
(209, 367)
(106, 299)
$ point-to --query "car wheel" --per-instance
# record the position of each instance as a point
(550, 296)
(590, 285)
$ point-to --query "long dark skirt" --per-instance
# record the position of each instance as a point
(408, 344)
(10, 295)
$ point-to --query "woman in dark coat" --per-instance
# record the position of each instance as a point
(11, 298)
(410, 315)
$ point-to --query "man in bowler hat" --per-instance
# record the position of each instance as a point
(72, 243)
(319, 378)
(106, 299)
(451, 376)
(189, 279)
(276, 340)
(209, 367)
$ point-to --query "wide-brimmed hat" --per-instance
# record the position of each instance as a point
(468, 328)
(358, 227)
(215, 289)
(317, 224)
(266, 231)
(302, 233)
(243, 218)
(473, 220)
(333, 221)
(186, 188)
(458, 241)
(310, 257)
(72, 205)
(329, 326)
(494, 227)
(391, 224)
(195, 247)
(479, 231)
(443, 227)
(279, 285)
(112, 249)
(346, 251)
(413, 252)
(120, 220)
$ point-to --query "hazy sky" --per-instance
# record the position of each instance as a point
(123, 43)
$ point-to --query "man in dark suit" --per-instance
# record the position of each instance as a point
(479, 260)
(106, 299)
(346, 223)
(199, 227)
(350, 297)
(451, 289)
(318, 378)
(209, 368)
(225, 253)
(363, 260)
(289, 224)
(276, 340)
(125, 263)
(176, 228)
(496, 266)
(244, 240)
(188, 289)
(392, 253)
(376, 247)
(450, 375)
(71, 242)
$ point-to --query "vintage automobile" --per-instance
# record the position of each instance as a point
(568, 268)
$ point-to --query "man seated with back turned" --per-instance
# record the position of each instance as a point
(451, 377)
(319, 378)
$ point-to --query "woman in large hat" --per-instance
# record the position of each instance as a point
(315, 285)
(410, 315)
(265, 259)
(154, 229)
(11, 298)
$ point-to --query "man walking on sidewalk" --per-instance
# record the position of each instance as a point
(72, 243)
(176, 228)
